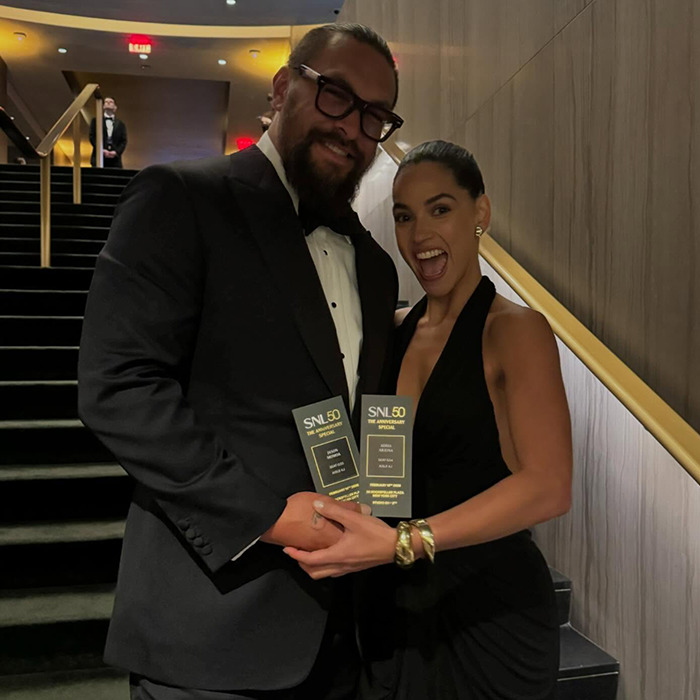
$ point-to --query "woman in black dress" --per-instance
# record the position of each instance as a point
(491, 458)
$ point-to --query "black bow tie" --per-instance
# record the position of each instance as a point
(344, 223)
(112, 118)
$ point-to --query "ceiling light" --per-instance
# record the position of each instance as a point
(20, 36)
(62, 50)
(222, 61)
(254, 52)
(230, 2)
(143, 56)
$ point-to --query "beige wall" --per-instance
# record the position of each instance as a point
(583, 117)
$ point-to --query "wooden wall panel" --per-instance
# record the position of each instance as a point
(589, 148)
(583, 116)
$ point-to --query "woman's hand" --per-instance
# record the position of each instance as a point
(365, 542)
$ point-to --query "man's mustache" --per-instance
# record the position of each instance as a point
(318, 135)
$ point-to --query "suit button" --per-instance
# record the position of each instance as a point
(207, 549)
(183, 524)
(190, 533)
(198, 541)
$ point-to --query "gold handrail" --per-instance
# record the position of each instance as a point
(44, 150)
(675, 434)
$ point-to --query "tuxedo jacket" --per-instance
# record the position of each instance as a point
(118, 142)
(206, 324)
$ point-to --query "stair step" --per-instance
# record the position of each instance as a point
(92, 684)
(49, 331)
(12, 205)
(19, 277)
(37, 400)
(31, 363)
(14, 534)
(58, 218)
(27, 244)
(596, 687)
(58, 498)
(585, 670)
(562, 589)
(66, 170)
(62, 197)
(54, 629)
(43, 441)
(57, 647)
(62, 553)
(41, 302)
(91, 175)
(62, 187)
(58, 233)
(48, 472)
(57, 260)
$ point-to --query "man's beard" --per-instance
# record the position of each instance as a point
(315, 187)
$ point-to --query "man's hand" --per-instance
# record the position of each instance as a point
(108, 154)
(302, 527)
(365, 542)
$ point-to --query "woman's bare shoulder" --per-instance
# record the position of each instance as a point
(513, 330)
(400, 315)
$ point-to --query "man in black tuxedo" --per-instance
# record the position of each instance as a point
(113, 134)
(211, 316)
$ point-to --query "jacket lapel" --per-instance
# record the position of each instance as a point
(275, 227)
(376, 325)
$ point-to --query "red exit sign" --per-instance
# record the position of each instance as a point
(140, 44)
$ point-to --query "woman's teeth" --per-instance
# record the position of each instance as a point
(426, 255)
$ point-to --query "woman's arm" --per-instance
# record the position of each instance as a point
(523, 351)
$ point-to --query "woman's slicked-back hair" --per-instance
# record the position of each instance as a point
(318, 38)
(459, 161)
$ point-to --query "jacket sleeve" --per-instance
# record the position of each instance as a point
(138, 336)
(121, 146)
(92, 132)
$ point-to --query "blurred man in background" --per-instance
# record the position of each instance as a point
(113, 136)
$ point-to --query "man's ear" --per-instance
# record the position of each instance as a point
(280, 86)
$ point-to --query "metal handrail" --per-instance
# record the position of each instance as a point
(45, 148)
(680, 439)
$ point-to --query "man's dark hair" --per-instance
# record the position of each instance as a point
(459, 160)
(318, 38)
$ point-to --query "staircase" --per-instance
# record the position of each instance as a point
(63, 500)
(586, 672)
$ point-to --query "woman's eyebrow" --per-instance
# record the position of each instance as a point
(430, 200)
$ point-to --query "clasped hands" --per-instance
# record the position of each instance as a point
(329, 538)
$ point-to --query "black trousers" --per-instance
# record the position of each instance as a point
(334, 675)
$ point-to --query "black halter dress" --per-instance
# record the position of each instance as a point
(480, 623)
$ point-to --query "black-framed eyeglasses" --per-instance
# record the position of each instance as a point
(336, 102)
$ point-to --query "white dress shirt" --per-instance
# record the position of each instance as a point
(109, 124)
(334, 257)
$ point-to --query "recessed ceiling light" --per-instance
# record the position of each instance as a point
(230, 2)
(143, 56)
(20, 36)
(62, 50)
(254, 52)
(222, 61)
